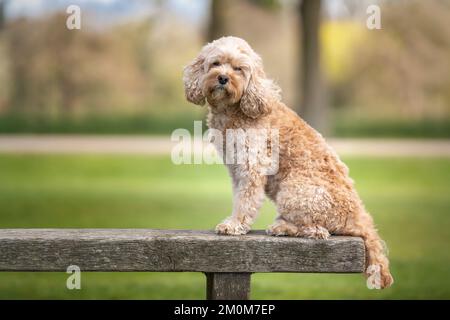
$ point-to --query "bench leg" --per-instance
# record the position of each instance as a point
(227, 286)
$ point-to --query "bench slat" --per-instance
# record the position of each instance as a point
(174, 250)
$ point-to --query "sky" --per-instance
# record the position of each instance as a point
(111, 10)
(114, 11)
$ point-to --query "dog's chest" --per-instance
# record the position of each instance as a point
(222, 128)
(218, 121)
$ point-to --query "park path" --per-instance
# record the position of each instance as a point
(162, 145)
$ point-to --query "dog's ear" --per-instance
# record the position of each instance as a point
(192, 80)
(254, 101)
(259, 95)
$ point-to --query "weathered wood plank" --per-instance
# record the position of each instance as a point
(174, 250)
(228, 286)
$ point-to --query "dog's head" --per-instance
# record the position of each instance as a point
(227, 72)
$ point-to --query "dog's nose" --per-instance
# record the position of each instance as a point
(223, 79)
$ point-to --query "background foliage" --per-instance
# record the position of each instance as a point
(104, 76)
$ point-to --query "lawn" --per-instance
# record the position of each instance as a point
(409, 199)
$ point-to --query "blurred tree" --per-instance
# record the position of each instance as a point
(219, 11)
(2, 14)
(217, 18)
(58, 78)
(312, 105)
(123, 69)
(311, 101)
(403, 70)
(4, 87)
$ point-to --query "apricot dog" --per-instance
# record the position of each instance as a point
(312, 190)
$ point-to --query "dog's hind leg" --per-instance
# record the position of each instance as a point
(282, 227)
(313, 232)
(303, 212)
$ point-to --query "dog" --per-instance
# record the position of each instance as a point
(312, 190)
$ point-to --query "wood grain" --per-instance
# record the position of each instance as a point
(174, 250)
(228, 286)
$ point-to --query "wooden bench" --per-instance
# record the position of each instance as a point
(227, 261)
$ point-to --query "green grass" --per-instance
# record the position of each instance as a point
(409, 199)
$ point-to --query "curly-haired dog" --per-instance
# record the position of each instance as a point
(312, 190)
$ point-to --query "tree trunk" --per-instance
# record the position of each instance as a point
(2, 14)
(312, 102)
(216, 25)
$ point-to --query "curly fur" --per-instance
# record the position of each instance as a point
(312, 190)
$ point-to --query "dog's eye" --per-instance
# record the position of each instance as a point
(216, 63)
(237, 69)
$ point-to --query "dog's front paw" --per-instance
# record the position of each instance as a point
(232, 227)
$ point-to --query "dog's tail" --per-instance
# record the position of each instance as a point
(377, 264)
